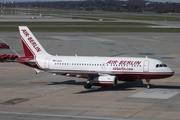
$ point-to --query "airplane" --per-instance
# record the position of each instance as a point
(99, 71)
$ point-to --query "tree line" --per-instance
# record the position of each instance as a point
(105, 5)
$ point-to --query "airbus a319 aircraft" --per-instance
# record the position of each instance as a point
(101, 71)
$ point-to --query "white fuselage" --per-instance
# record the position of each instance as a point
(109, 65)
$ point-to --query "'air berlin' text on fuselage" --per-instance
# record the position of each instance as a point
(124, 62)
(33, 43)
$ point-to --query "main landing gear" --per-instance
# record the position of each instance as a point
(87, 85)
(148, 85)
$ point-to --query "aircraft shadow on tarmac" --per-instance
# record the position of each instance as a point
(126, 86)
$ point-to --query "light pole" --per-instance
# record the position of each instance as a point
(11, 6)
(1, 8)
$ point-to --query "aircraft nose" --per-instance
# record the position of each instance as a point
(171, 72)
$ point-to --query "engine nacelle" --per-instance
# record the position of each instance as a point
(105, 80)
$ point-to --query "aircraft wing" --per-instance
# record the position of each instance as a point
(80, 73)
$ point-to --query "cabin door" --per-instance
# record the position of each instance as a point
(46, 63)
(146, 66)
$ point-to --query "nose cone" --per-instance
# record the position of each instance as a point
(170, 72)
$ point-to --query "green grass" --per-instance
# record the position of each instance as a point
(71, 23)
(156, 17)
(96, 29)
(95, 15)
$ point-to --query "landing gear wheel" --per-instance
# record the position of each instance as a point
(87, 86)
(148, 86)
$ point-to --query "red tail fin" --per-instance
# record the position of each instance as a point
(30, 44)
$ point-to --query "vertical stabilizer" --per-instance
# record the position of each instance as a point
(31, 45)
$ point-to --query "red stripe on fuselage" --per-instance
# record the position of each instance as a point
(120, 75)
(145, 75)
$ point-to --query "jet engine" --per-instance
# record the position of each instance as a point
(105, 81)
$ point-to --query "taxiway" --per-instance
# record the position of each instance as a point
(26, 95)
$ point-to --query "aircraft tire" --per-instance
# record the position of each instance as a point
(148, 86)
(87, 86)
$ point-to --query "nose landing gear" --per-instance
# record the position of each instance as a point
(148, 85)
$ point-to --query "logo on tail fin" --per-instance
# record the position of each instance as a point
(30, 39)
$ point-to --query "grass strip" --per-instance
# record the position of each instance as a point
(71, 23)
(97, 29)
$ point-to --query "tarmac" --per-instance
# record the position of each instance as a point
(27, 95)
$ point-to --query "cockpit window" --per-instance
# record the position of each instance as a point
(161, 65)
(164, 65)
